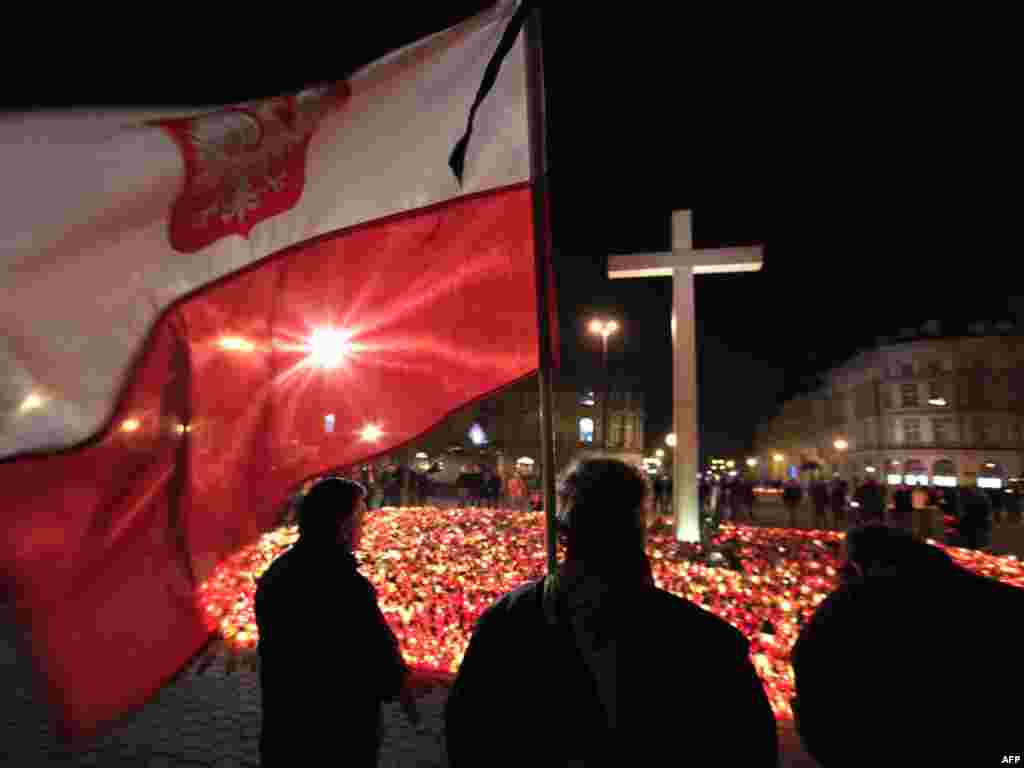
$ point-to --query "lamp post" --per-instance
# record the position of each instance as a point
(604, 329)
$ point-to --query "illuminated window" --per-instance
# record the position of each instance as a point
(586, 430)
(588, 398)
(477, 435)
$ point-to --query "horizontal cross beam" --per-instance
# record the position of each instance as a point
(706, 261)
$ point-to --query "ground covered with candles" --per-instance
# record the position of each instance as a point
(437, 570)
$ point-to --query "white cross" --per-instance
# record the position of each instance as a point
(681, 264)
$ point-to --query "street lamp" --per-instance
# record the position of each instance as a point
(670, 440)
(604, 329)
(751, 463)
(371, 433)
(660, 453)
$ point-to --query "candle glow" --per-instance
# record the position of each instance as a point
(437, 570)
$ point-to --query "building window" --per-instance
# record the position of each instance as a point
(588, 398)
(935, 390)
(908, 393)
(525, 465)
(477, 436)
(586, 430)
(942, 430)
(993, 433)
(912, 431)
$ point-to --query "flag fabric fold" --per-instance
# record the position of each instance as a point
(200, 312)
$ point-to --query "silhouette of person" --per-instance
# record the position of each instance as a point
(327, 656)
(561, 670)
(908, 638)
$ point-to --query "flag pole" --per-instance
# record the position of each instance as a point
(542, 250)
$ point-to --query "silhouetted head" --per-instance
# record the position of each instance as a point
(332, 512)
(601, 512)
(873, 548)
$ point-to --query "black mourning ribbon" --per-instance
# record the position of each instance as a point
(457, 160)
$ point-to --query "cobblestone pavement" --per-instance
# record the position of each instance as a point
(207, 721)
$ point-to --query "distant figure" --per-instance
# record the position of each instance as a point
(995, 498)
(909, 638)
(725, 501)
(819, 496)
(902, 507)
(327, 656)
(560, 671)
(659, 494)
(420, 484)
(494, 485)
(392, 486)
(484, 492)
(517, 493)
(1012, 502)
(871, 500)
(837, 501)
(792, 495)
(751, 491)
(703, 494)
(975, 524)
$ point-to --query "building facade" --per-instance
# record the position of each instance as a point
(922, 411)
(503, 430)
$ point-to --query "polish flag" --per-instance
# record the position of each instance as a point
(200, 311)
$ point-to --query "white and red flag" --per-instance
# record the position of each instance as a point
(198, 313)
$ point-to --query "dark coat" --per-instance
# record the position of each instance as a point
(524, 692)
(884, 656)
(327, 656)
(493, 487)
(837, 497)
(975, 523)
(871, 497)
(819, 494)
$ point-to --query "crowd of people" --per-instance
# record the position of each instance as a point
(561, 671)
(477, 485)
(969, 511)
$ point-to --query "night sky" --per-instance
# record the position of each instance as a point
(870, 168)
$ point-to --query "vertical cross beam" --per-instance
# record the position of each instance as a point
(681, 264)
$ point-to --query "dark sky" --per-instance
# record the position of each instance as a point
(867, 158)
